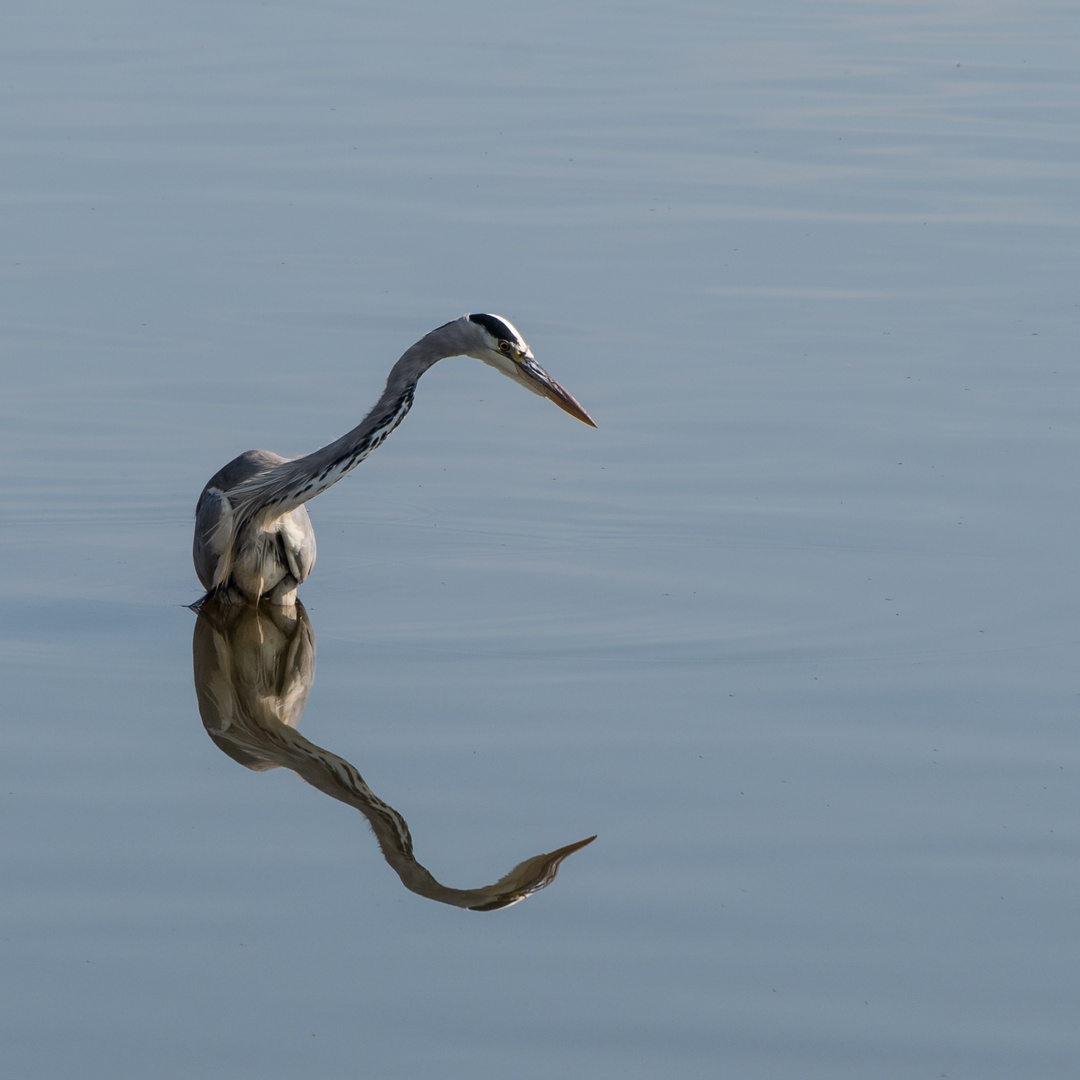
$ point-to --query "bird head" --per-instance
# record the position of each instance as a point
(498, 343)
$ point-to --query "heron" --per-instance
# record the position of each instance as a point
(253, 538)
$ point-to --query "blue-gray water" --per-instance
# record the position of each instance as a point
(793, 631)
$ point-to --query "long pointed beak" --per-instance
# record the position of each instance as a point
(540, 382)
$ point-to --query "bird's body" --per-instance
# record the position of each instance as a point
(275, 558)
(253, 537)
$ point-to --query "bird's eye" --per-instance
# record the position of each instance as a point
(505, 346)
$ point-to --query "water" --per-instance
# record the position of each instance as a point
(793, 631)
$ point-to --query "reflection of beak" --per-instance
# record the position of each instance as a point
(533, 376)
(526, 878)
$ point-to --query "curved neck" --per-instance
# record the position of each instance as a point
(288, 485)
(342, 455)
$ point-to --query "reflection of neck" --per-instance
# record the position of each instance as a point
(253, 670)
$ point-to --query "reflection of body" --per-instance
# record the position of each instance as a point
(253, 537)
(254, 667)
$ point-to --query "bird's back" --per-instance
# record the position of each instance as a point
(242, 468)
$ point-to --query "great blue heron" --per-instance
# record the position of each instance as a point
(253, 537)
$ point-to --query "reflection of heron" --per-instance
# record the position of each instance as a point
(254, 667)
(253, 536)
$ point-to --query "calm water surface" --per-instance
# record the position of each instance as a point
(793, 632)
